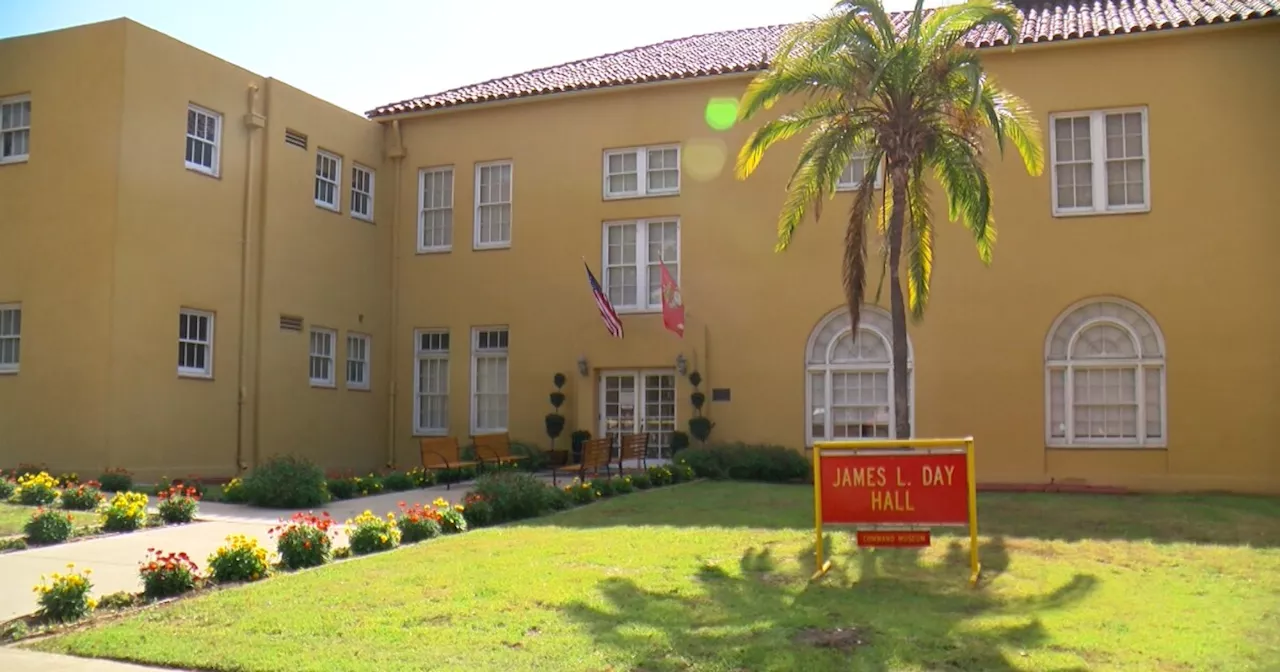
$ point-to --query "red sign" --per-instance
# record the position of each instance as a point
(894, 538)
(906, 489)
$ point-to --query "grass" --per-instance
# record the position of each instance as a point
(14, 516)
(713, 576)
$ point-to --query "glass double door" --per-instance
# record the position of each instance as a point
(639, 401)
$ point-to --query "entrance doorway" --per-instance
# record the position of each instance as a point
(640, 401)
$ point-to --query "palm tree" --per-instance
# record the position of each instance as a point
(913, 99)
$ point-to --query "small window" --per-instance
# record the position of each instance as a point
(322, 357)
(489, 382)
(195, 344)
(642, 171)
(1099, 162)
(204, 136)
(362, 192)
(328, 173)
(435, 209)
(358, 361)
(431, 385)
(15, 129)
(10, 337)
(493, 205)
(853, 173)
(634, 253)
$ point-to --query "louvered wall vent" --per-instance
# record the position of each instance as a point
(290, 323)
(295, 138)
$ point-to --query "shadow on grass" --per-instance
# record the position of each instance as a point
(1199, 519)
(873, 611)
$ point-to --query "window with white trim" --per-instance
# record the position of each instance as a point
(431, 383)
(435, 209)
(493, 205)
(358, 361)
(488, 380)
(328, 174)
(851, 178)
(322, 359)
(204, 139)
(1099, 161)
(195, 344)
(632, 172)
(361, 192)
(634, 252)
(10, 337)
(849, 383)
(15, 129)
(1105, 377)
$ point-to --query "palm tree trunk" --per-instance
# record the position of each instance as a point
(897, 307)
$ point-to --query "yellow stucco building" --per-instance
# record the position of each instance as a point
(338, 287)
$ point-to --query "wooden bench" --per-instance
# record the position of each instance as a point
(595, 455)
(441, 453)
(495, 449)
(634, 447)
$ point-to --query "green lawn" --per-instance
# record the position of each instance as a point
(13, 517)
(713, 576)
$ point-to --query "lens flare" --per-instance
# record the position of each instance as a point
(704, 158)
(722, 113)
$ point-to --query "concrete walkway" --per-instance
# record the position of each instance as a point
(17, 660)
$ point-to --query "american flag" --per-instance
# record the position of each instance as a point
(611, 321)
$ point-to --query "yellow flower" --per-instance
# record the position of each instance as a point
(383, 538)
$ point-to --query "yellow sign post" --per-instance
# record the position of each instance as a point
(894, 491)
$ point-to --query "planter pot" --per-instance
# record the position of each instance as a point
(557, 458)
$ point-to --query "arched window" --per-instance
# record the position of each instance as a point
(849, 380)
(1104, 377)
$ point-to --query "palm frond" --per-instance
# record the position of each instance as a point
(919, 244)
(782, 128)
(855, 251)
(1016, 121)
(959, 170)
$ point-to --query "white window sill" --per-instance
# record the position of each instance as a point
(352, 387)
(479, 431)
(8, 372)
(652, 194)
(492, 246)
(320, 384)
(430, 432)
(435, 250)
(328, 206)
(195, 375)
(843, 188)
(637, 311)
(364, 218)
(1102, 213)
(1106, 446)
(14, 159)
(197, 168)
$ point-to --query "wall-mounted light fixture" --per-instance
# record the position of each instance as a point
(681, 364)
(582, 366)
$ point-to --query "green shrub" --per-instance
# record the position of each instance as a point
(240, 559)
(640, 481)
(418, 523)
(745, 462)
(581, 493)
(48, 527)
(82, 497)
(28, 470)
(167, 574)
(125, 512)
(178, 504)
(478, 511)
(679, 441)
(233, 492)
(13, 544)
(117, 600)
(7, 488)
(623, 485)
(37, 489)
(367, 533)
(604, 486)
(286, 482)
(422, 478)
(65, 598)
(660, 476)
(513, 495)
(367, 485)
(340, 488)
(535, 458)
(116, 480)
(682, 473)
(398, 481)
(68, 479)
(303, 540)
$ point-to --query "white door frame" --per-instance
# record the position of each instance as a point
(637, 375)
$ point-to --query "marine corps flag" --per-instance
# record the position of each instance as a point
(672, 304)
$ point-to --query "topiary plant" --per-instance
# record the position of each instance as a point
(555, 421)
(700, 426)
(576, 439)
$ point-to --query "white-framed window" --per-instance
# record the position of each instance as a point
(853, 173)
(634, 251)
(493, 205)
(15, 129)
(358, 361)
(632, 402)
(195, 343)
(849, 386)
(431, 383)
(1105, 377)
(488, 380)
(632, 172)
(322, 359)
(328, 175)
(361, 192)
(1100, 161)
(435, 209)
(204, 139)
(10, 337)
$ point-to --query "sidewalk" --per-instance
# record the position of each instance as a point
(17, 660)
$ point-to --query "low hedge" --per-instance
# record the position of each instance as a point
(747, 462)
(286, 482)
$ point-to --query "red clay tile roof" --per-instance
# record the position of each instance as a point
(748, 50)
